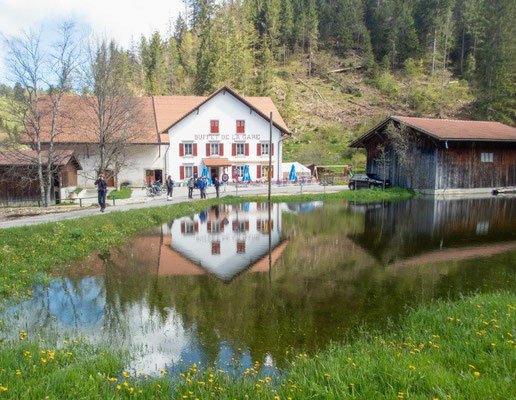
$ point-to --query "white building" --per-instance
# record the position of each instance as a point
(183, 134)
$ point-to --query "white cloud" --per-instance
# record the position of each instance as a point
(122, 20)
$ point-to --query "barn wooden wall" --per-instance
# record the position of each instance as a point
(460, 165)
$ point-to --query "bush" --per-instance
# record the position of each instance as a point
(388, 85)
(123, 193)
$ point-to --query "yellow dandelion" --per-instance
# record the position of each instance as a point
(112, 379)
(476, 373)
(44, 361)
(412, 367)
(18, 372)
(125, 374)
(163, 371)
(125, 384)
(3, 388)
(118, 387)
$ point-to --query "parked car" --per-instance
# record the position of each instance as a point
(367, 181)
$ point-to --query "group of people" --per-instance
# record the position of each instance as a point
(201, 183)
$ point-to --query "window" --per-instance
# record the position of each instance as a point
(240, 149)
(486, 157)
(241, 247)
(265, 148)
(214, 126)
(188, 149)
(240, 126)
(188, 171)
(263, 173)
(239, 171)
(215, 247)
(214, 149)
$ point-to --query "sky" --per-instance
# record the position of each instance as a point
(122, 20)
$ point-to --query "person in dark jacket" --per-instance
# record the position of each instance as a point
(190, 187)
(170, 187)
(101, 184)
(216, 183)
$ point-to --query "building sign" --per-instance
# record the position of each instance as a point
(235, 137)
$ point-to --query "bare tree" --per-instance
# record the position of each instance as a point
(45, 76)
(115, 117)
(403, 144)
(383, 159)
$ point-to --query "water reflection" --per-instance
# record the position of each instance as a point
(200, 288)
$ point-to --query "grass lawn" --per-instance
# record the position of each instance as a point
(123, 193)
(450, 350)
(28, 254)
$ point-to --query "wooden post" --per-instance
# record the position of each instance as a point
(269, 198)
(270, 162)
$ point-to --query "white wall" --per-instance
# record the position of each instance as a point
(139, 158)
(227, 109)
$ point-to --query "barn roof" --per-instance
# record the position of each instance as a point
(448, 130)
(157, 115)
(21, 158)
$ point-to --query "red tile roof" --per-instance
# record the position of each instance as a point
(448, 129)
(158, 113)
(28, 157)
(216, 162)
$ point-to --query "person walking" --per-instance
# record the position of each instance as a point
(190, 187)
(216, 183)
(170, 187)
(101, 184)
(202, 187)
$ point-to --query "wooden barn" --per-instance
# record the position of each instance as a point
(19, 177)
(439, 156)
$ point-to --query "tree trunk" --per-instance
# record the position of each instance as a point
(462, 53)
(433, 50)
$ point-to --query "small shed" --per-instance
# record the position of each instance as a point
(301, 170)
(19, 176)
(442, 156)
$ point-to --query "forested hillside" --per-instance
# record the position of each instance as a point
(337, 66)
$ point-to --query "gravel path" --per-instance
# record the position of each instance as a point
(180, 195)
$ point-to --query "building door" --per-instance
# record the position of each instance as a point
(214, 172)
(153, 175)
(111, 179)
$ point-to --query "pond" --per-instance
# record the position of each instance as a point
(230, 287)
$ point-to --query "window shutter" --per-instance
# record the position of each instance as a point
(181, 149)
(233, 172)
(214, 126)
(246, 226)
(208, 225)
(183, 227)
(195, 149)
(208, 149)
(221, 149)
(221, 225)
(259, 225)
(196, 227)
(247, 149)
(240, 126)
(195, 170)
(233, 149)
(272, 224)
(182, 172)
(272, 149)
(258, 172)
(234, 224)
(259, 149)
(272, 172)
